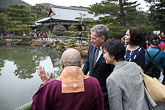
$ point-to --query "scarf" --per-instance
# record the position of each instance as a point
(72, 79)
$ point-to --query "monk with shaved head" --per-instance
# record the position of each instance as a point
(71, 57)
(72, 90)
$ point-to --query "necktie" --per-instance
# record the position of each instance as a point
(96, 55)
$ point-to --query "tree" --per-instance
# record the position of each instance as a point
(115, 11)
(40, 10)
(58, 30)
(18, 27)
(122, 14)
(6, 3)
(3, 23)
(83, 20)
(110, 10)
(3, 10)
(21, 13)
(157, 15)
(20, 17)
(73, 27)
(138, 17)
(131, 13)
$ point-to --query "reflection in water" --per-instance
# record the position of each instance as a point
(27, 59)
(1, 65)
(18, 77)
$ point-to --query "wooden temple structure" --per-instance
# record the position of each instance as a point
(65, 16)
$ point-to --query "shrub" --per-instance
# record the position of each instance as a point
(71, 42)
(24, 38)
(60, 46)
(115, 30)
(145, 29)
(59, 30)
(57, 41)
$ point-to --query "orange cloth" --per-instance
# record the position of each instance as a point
(72, 79)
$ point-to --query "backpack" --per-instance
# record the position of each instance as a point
(151, 68)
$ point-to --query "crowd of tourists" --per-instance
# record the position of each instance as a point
(34, 34)
(110, 78)
(39, 34)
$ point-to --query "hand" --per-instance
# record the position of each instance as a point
(43, 76)
(123, 39)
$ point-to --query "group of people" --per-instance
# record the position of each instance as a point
(162, 42)
(4, 34)
(40, 35)
(109, 79)
(139, 50)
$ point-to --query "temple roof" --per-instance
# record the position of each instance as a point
(63, 13)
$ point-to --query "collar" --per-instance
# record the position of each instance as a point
(154, 46)
(122, 63)
(101, 48)
(72, 79)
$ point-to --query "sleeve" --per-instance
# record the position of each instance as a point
(114, 95)
(86, 64)
(141, 59)
(42, 99)
(163, 60)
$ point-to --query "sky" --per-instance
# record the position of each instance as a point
(85, 3)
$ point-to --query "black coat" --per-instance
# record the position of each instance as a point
(101, 70)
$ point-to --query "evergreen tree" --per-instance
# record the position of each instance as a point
(142, 18)
(3, 10)
(20, 17)
(21, 13)
(40, 10)
(157, 15)
(3, 23)
(117, 11)
(83, 20)
(58, 30)
(110, 10)
(6, 3)
(72, 27)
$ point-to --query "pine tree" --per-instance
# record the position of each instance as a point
(157, 15)
(20, 17)
(117, 11)
(3, 23)
(40, 10)
(21, 13)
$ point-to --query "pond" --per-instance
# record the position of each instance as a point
(18, 77)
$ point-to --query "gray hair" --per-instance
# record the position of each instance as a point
(101, 30)
(71, 57)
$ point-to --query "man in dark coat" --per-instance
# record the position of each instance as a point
(97, 67)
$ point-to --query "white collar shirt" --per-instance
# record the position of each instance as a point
(100, 52)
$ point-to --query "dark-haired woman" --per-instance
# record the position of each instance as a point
(134, 52)
(125, 84)
(159, 59)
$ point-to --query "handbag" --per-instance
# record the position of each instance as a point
(154, 88)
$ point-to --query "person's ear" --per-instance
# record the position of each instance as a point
(81, 62)
(102, 38)
(62, 64)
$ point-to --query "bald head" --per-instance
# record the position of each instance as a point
(71, 57)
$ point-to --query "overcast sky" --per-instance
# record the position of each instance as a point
(85, 3)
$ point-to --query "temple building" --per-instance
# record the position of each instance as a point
(66, 16)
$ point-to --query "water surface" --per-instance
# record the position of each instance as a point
(18, 77)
